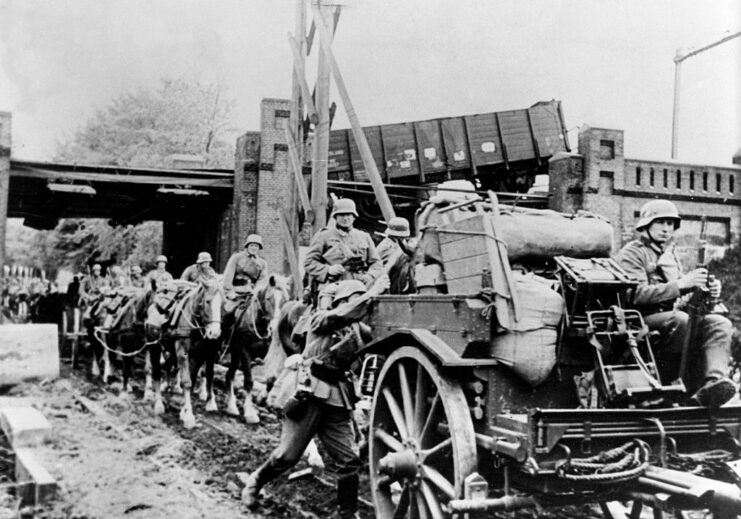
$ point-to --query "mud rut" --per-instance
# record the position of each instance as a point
(211, 455)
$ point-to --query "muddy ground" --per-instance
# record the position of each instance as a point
(113, 458)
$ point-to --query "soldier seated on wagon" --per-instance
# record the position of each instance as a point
(397, 254)
(342, 252)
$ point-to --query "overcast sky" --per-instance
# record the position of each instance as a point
(609, 61)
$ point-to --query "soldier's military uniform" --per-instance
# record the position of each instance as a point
(158, 276)
(351, 248)
(658, 298)
(200, 270)
(94, 285)
(136, 279)
(243, 271)
(333, 339)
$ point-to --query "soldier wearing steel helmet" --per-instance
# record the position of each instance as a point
(342, 252)
(159, 276)
(652, 260)
(199, 271)
(135, 277)
(95, 284)
(333, 339)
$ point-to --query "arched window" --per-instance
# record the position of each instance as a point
(638, 176)
(692, 180)
(679, 179)
(731, 183)
(666, 178)
(651, 177)
(717, 182)
(704, 180)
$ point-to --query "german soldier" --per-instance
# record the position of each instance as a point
(159, 276)
(201, 270)
(396, 255)
(243, 271)
(653, 261)
(94, 284)
(136, 278)
(342, 252)
(325, 407)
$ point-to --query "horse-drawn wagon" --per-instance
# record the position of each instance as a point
(517, 378)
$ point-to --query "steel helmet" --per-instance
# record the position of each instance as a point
(398, 226)
(136, 269)
(347, 288)
(656, 209)
(161, 258)
(254, 238)
(96, 267)
(203, 257)
(344, 206)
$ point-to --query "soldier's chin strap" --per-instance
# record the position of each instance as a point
(343, 228)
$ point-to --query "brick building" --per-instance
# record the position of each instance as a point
(602, 180)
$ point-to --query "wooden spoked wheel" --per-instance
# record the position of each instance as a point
(422, 441)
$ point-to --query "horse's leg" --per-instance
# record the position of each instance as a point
(148, 387)
(249, 409)
(106, 359)
(197, 363)
(94, 367)
(155, 352)
(186, 413)
(231, 402)
(211, 351)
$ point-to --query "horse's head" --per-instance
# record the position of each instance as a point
(210, 306)
(272, 296)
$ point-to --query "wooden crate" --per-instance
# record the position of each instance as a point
(465, 256)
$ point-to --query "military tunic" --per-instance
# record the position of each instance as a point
(244, 269)
(160, 277)
(657, 297)
(94, 285)
(196, 275)
(353, 249)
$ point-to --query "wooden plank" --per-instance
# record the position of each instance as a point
(374, 176)
(292, 256)
(490, 225)
(166, 180)
(303, 194)
(300, 76)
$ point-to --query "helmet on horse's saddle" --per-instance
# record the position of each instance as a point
(203, 257)
(254, 238)
(398, 226)
(344, 206)
(347, 288)
(655, 210)
(161, 259)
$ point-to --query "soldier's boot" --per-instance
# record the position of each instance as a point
(714, 393)
(251, 490)
(347, 496)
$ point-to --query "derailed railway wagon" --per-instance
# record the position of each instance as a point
(518, 378)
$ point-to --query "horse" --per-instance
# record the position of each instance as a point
(122, 329)
(254, 321)
(93, 318)
(192, 317)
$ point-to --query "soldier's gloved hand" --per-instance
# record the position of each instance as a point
(698, 278)
(714, 287)
(336, 270)
(380, 286)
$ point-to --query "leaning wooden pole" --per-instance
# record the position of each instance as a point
(370, 165)
(321, 132)
(5, 124)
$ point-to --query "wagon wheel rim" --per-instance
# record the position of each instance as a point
(422, 443)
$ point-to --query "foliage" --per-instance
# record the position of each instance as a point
(145, 127)
(138, 129)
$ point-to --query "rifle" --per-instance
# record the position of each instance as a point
(701, 303)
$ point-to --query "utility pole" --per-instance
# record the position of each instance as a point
(678, 59)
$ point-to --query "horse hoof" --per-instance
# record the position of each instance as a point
(232, 410)
(211, 406)
(203, 396)
(159, 408)
(177, 390)
(316, 462)
(189, 421)
(251, 417)
(148, 395)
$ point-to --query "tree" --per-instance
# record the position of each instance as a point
(145, 127)
(138, 129)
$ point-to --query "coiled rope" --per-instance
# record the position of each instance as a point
(623, 463)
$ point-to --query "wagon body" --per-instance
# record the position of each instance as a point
(455, 429)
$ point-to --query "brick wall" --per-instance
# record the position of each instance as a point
(274, 184)
(617, 187)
